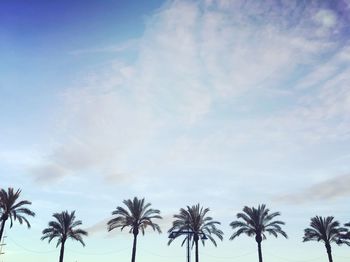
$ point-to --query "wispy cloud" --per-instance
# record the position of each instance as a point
(330, 189)
(229, 80)
(99, 227)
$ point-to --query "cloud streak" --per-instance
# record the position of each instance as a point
(330, 189)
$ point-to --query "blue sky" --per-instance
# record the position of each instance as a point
(226, 103)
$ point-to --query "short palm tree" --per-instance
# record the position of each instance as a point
(326, 230)
(138, 216)
(63, 228)
(256, 222)
(12, 208)
(194, 219)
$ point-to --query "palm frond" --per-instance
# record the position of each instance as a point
(325, 229)
(63, 228)
(194, 219)
(256, 221)
(13, 209)
(138, 215)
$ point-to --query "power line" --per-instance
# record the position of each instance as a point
(341, 257)
(155, 254)
(74, 251)
(158, 255)
(293, 260)
(100, 253)
(228, 257)
(30, 250)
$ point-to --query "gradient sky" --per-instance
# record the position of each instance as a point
(225, 103)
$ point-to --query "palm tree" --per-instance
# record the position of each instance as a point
(194, 220)
(138, 216)
(326, 230)
(64, 228)
(346, 235)
(256, 222)
(12, 208)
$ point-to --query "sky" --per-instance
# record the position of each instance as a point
(225, 103)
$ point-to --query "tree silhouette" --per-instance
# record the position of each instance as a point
(346, 235)
(63, 228)
(12, 208)
(256, 222)
(326, 230)
(138, 216)
(194, 219)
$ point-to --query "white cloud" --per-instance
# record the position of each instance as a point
(97, 129)
(327, 19)
(208, 84)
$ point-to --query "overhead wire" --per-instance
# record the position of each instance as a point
(158, 255)
(293, 260)
(228, 257)
(30, 250)
(167, 256)
(71, 250)
(98, 253)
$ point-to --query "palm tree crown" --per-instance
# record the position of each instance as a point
(64, 228)
(257, 221)
(137, 216)
(326, 230)
(12, 208)
(195, 219)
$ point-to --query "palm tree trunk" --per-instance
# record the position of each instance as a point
(329, 252)
(2, 229)
(134, 248)
(62, 251)
(197, 253)
(260, 252)
(258, 239)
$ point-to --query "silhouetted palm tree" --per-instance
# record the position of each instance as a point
(256, 222)
(194, 219)
(64, 228)
(138, 216)
(12, 208)
(346, 235)
(327, 230)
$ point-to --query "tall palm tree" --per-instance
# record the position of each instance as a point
(63, 228)
(138, 216)
(326, 230)
(256, 222)
(194, 219)
(12, 208)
